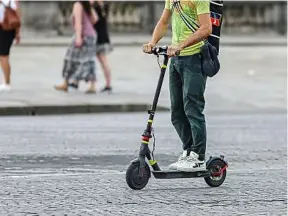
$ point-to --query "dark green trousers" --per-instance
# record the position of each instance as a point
(187, 86)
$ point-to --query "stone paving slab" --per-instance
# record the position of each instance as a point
(250, 78)
(61, 103)
(138, 40)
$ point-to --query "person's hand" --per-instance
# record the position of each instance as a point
(17, 38)
(78, 42)
(147, 48)
(173, 50)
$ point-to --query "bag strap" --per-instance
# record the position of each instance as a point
(185, 18)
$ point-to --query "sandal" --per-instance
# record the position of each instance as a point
(74, 85)
(107, 89)
(90, 91)
(62, 87)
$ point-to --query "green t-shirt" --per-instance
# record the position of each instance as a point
(180, 32)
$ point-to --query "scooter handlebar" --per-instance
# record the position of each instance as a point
(162, 50)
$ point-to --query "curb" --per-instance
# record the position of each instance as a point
(75, 109)
(133, 44)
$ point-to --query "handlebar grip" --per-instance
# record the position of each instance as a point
(154, 50)
(162, 50)
(157, 50)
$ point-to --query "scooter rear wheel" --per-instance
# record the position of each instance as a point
(214, 167)
(134, 180)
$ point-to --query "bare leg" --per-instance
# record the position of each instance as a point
(104, 63)
(6, 69)
(92, 87)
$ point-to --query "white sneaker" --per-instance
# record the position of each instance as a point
(192, 164)
(5, 87)
(175, 165)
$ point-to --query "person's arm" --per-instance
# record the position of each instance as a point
(18, 30)
(94, 16)
(78, 14)
(205, 29)
(161, 27)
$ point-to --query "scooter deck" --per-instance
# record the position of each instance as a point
(170, 174)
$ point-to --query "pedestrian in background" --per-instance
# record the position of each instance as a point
(79, 62)
(103, 46)
(9, 31)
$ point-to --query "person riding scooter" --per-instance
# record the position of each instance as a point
(187, 81)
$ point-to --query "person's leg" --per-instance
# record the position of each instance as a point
(92, 87)
(106, 69)
(7, 38)
(91, 77)
(194, 103)
(5, 65)
(66, 73)
(178, 117)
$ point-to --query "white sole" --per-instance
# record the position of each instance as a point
(173, 168)
(191, 170)
(5, 89)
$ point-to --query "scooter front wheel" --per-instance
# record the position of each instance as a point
(135, 179)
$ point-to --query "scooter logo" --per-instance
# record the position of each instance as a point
(215, 18)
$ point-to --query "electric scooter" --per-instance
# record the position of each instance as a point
(138, 172)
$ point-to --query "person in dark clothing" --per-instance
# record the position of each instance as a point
(7, 38)
(103, 45)
(187, 81)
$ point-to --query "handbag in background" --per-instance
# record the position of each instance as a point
(11, 19)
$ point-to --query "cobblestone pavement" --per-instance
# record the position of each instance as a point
(75, 165)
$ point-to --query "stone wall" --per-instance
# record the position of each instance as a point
(251, 17)
(254, 17)
(128, 16)
(40, 15)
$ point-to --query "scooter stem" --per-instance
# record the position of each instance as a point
(159, 85)
(144, 149)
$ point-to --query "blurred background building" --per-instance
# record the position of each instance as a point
(240, 17)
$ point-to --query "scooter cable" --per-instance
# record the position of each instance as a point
(158, 61)
(154, 143)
